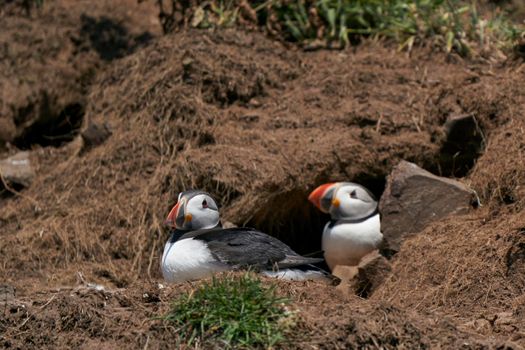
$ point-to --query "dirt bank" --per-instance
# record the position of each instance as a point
(259, 125)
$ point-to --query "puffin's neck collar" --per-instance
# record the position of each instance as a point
(176, 233)
(354, 221)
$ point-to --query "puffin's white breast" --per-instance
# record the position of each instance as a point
(188, 259)
(346, 243)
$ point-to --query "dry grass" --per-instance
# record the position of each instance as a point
(260, 147)
(472, 266)
(173, 130)
(501, 180)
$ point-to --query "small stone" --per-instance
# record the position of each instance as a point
(17, 169)
(414, 198)
(94, 135)
(373, 270)
(7, 293)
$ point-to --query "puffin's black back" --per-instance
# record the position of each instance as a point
(240, 247)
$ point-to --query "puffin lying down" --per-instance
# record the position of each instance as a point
(199, 247)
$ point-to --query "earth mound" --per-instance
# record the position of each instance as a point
(259, 126)
(50, 56)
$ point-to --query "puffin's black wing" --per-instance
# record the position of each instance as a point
(243, 247)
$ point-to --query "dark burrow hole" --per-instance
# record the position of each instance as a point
(464, 144)
(6, 192)
(110, 39)
(515, 257)
(294, 220)
(363, 289)
(53, 130)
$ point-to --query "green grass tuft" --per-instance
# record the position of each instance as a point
(454, 25)
(237, 311)
(451, 24)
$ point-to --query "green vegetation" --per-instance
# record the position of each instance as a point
(237, 311)
(451, 24)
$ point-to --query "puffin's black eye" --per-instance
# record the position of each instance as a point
(204, 204)
(353, 194)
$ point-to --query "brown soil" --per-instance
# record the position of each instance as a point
(50, 56)
(258, 125)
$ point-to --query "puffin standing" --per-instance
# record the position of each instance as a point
(199, 247)
(355, 228)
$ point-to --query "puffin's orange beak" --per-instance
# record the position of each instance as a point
(170, 220)
(317, 194)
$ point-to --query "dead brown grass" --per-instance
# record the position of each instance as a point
(472, 266)
(259, 126)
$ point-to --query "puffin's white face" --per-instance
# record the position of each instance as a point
(344, 200)
(194, 210)
(352, 201)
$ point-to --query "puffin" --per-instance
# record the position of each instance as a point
(354, 229)
(199, 246)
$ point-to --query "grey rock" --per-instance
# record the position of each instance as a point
(95, 135)
(414, 198)
(17, 169)
(7, 293)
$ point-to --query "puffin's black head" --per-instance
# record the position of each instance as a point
(194, 210)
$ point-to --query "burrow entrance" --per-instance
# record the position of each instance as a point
(465, 142)
(52, 129)
(40, 124)
(295, 221)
